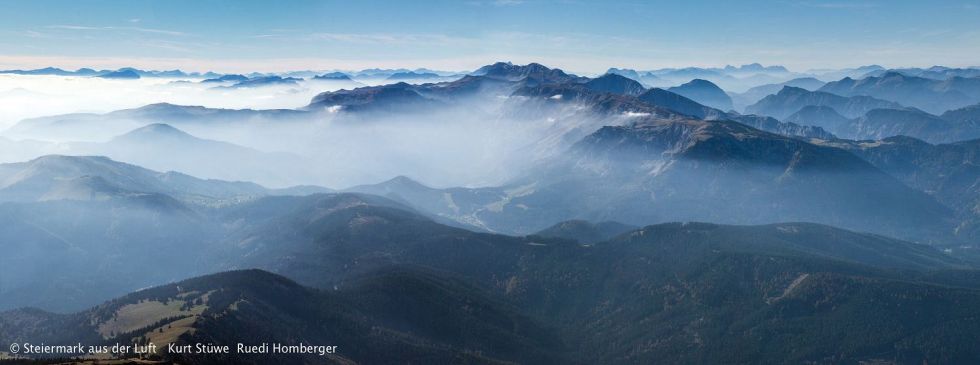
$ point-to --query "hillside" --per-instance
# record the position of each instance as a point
(656, 170)
(946, 171)
(680, 286)
(390, 315)
(32, 180)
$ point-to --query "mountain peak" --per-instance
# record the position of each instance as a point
(615, 83)
(412, 75)
(630, 73)
(156, 130)
(892, 73)
(121, 74)
(400, 96)
(792, 90)
(333, 76)
(159, 106)
(704, 92)
(405, 181)
(532, 73)
(229, 77)
(678, 103)
(791, 99)
(700, 83)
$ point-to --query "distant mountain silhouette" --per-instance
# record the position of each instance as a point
(819, 115)
(613, 83)
(264, 81)
(99, 127)
(933, 96)
(44, 71)
(884, 123)
(122, 74)
(125, 71)
(789, 100)
(29, 181)
(227, 78)
(646, 78)
(164, 147)
(387, 98)
(333, 76)
(704, 92)
(934, 72)
(625, 72)
(532, 73)
(680, 104)
(753, 95)
(412, 76)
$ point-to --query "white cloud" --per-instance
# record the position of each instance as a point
(110, 28)
(839, 5)
(390, 38)
(495, 2)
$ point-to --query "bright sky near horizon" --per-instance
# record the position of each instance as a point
(579, 36)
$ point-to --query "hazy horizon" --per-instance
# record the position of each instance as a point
(69, 65)
(580, 37)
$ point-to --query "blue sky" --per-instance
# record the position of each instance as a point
(581, 36)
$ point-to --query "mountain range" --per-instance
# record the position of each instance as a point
(884, 123)
(125, 70)
(607, 92)
(646, 167)
(665, 145)
(790, 99)
(121, 74)
(737, 79)
(76, 213)
(945, 171)
(41, 178)
(753, 95)
(934, 72)
(333, 76)
(933, 96)
(164, 147)
(226, 78)
(79, 126)
(263, 81)
(863, 117)
(399, 280)
(636, 225)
